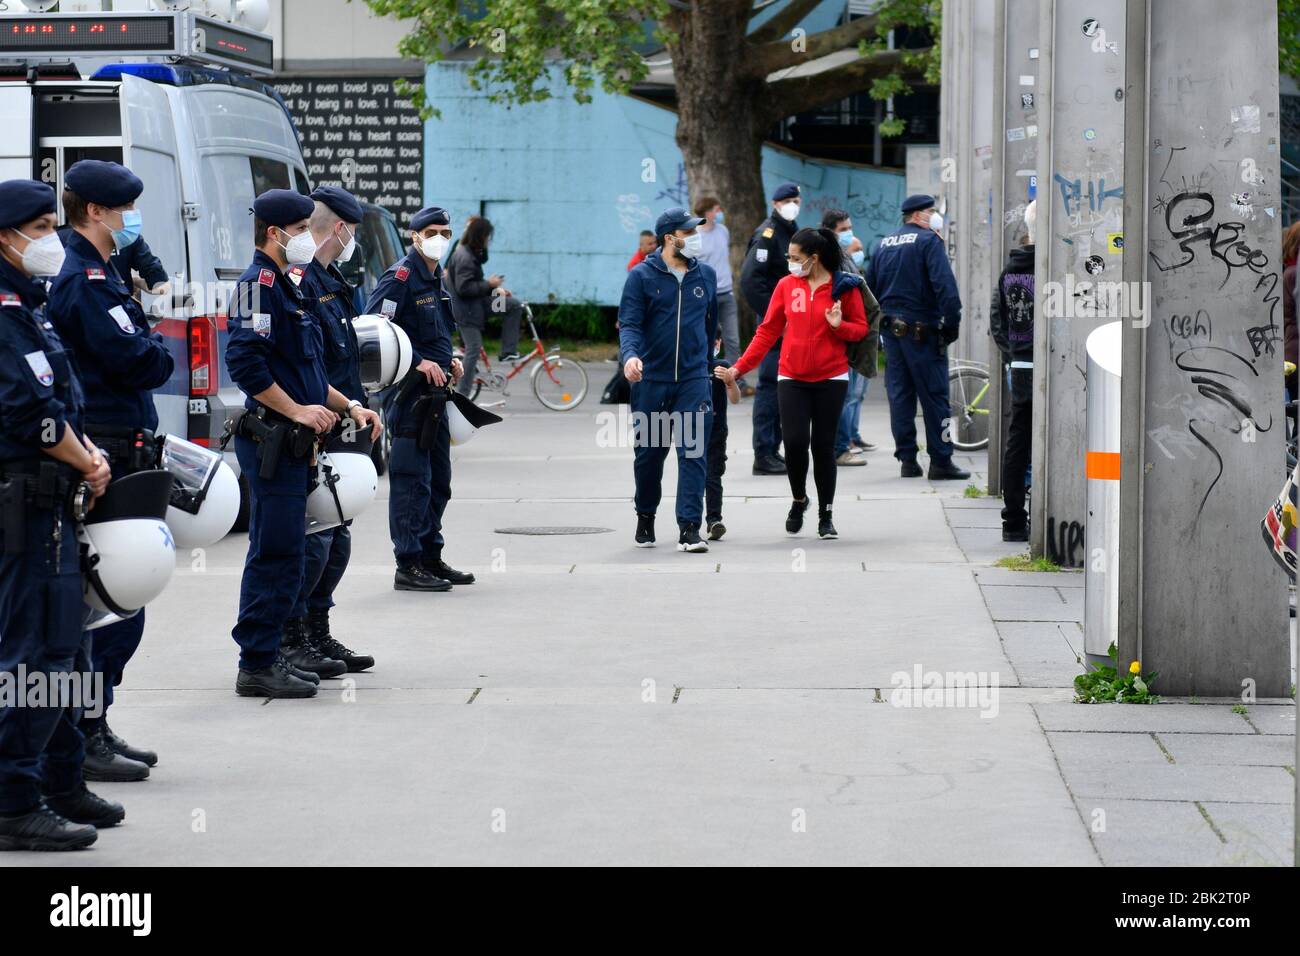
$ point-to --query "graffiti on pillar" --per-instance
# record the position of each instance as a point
(1072, 194)
(1065, 543)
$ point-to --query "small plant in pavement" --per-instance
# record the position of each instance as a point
(1105, 684)
(1023, 562)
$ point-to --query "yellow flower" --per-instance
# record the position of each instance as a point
(1135, 668)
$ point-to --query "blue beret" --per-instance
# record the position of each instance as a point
(22, 200)
(109, 184)
(670, 220)
(430, 216)
(786, 191)
(283, 207)
(341, 202)
(917, 202)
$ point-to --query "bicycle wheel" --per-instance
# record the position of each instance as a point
(968, 410)
(475, 389)
(559, 384)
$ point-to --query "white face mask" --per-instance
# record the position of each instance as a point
(789, 211)
(435, 246)
(300, 249)
(796, 268)
(692, 246)
(350, 248)
(936, 222)
(44, 256)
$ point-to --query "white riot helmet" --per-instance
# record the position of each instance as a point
(128, 554)
(205, 493)
(464, 418)
(385, 351)
(345, 482)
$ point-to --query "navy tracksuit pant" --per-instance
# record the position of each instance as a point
(669, 414)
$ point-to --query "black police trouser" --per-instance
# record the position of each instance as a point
(767, 409)
(1015, 457)
(419, 485)
(41, 618)
(917, 371)
(717, 455)
(810, 417)
(325, 558)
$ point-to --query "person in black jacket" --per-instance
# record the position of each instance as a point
(1011, 316)
(474, 297)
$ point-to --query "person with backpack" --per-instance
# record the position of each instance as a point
(818, 309)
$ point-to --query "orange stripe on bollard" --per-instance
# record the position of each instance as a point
(1103, 465)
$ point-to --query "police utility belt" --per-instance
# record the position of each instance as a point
(135, 448)
(36, 485)
(276, 436)
(903, 329)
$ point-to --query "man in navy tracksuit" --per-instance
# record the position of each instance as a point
(667, 324)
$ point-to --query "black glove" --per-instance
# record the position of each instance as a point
(948, 333)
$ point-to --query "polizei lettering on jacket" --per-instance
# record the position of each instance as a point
(904, 240)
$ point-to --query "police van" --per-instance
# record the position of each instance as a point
(174, 96)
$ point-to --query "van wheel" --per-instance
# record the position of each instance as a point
(241, 522)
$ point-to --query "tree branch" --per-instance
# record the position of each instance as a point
(784, 21)
(798, 95)
(771, 57)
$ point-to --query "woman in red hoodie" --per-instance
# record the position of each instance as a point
(816, 309)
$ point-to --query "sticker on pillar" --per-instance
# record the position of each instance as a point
(1245, 119)
(1091, 26)
(1026, 79)
(1115, 242)
(1016, 134)
(1094, 265)
(1033, 53)
(1031, 131)
(1089, 134)
(1033, 187)
(1026, 101)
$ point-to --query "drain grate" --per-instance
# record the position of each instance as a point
(554, 529)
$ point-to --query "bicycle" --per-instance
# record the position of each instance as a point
(559, 384)
(968, 415)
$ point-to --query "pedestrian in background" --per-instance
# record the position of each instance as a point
(475, 297)
(849, 445)
(645, 246)
(1290, 337)
(1011, 320)
(717, 253)
(724, 394)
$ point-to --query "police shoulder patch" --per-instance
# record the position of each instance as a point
(768, 233)
(402, 273)
(295, 275)
(10, 300)
(262, 323)
(123, 319)
(95, 274)
(388, 308)
(40, 366)
(760, 255)
(266, 277)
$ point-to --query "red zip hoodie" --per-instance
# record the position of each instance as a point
(812, 350)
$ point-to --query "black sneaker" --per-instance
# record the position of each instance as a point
(43, 829)
(299, 652)
(310, 677)
(103, 764)
(146, 757)
(794, 520)
(274, 681)
(318, 623)
(825, 529)
(910, 469)
(645, 531)
(509, 357)
(946, 471)
(82, 806)
(1015, 534)
(716, 529)
(690, 540)
(769, 465)
(441, 569)
(412, 577)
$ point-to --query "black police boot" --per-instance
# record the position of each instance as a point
(310, 677)
(769, 465)
(441, 569)
(910, 469)
(645, 531)
(318, 622)
(824, 527)
(716, 529)
(299, 652)
(43, 829)
(146, 757)
(690, 540)
(412, 577)
(794, 520)
(104, 764)
(946, 471)
(274, 681)
(82, 806)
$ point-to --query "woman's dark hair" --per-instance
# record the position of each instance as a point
(477, 234)
(833, 217)
(821, 243)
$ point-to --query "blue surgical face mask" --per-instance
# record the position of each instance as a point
(858, 257)
(132, 221)
(845, 238)
(719, 218)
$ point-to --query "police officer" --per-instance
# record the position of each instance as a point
(921, 312)
(119, 361)
(43, 455)
(275, 357)
(411, 295)
(329, 297)
(764, 267)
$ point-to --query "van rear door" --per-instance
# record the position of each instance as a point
(16, 121)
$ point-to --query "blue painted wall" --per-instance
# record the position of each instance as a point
(569, 186)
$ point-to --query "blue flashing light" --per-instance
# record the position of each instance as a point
(155, 72)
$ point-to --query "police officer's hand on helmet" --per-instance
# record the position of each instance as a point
(433, 372)
(98, 475)
(367, 418)
(632, 369)
(316, 417)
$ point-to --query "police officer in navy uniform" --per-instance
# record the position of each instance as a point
(44, 803)
(119, 361)
(921, 313)
(275, 356)
(764, 267)
(411, 294)
(329, 297)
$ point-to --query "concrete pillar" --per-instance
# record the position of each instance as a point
(1201, 601)
(1080, 236)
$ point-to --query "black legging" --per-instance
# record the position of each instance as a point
(811, 411)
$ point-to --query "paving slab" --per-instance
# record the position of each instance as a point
(1143, 718)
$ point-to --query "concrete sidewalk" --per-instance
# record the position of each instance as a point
(589, 702)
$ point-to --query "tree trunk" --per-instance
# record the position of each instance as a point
(717, 109)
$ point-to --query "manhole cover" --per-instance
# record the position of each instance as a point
(553, 529)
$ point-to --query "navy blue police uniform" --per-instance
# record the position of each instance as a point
(921, 312)
(274, 340)
(119, 361)
(41, 749)
(412, 296)
(670, 324)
